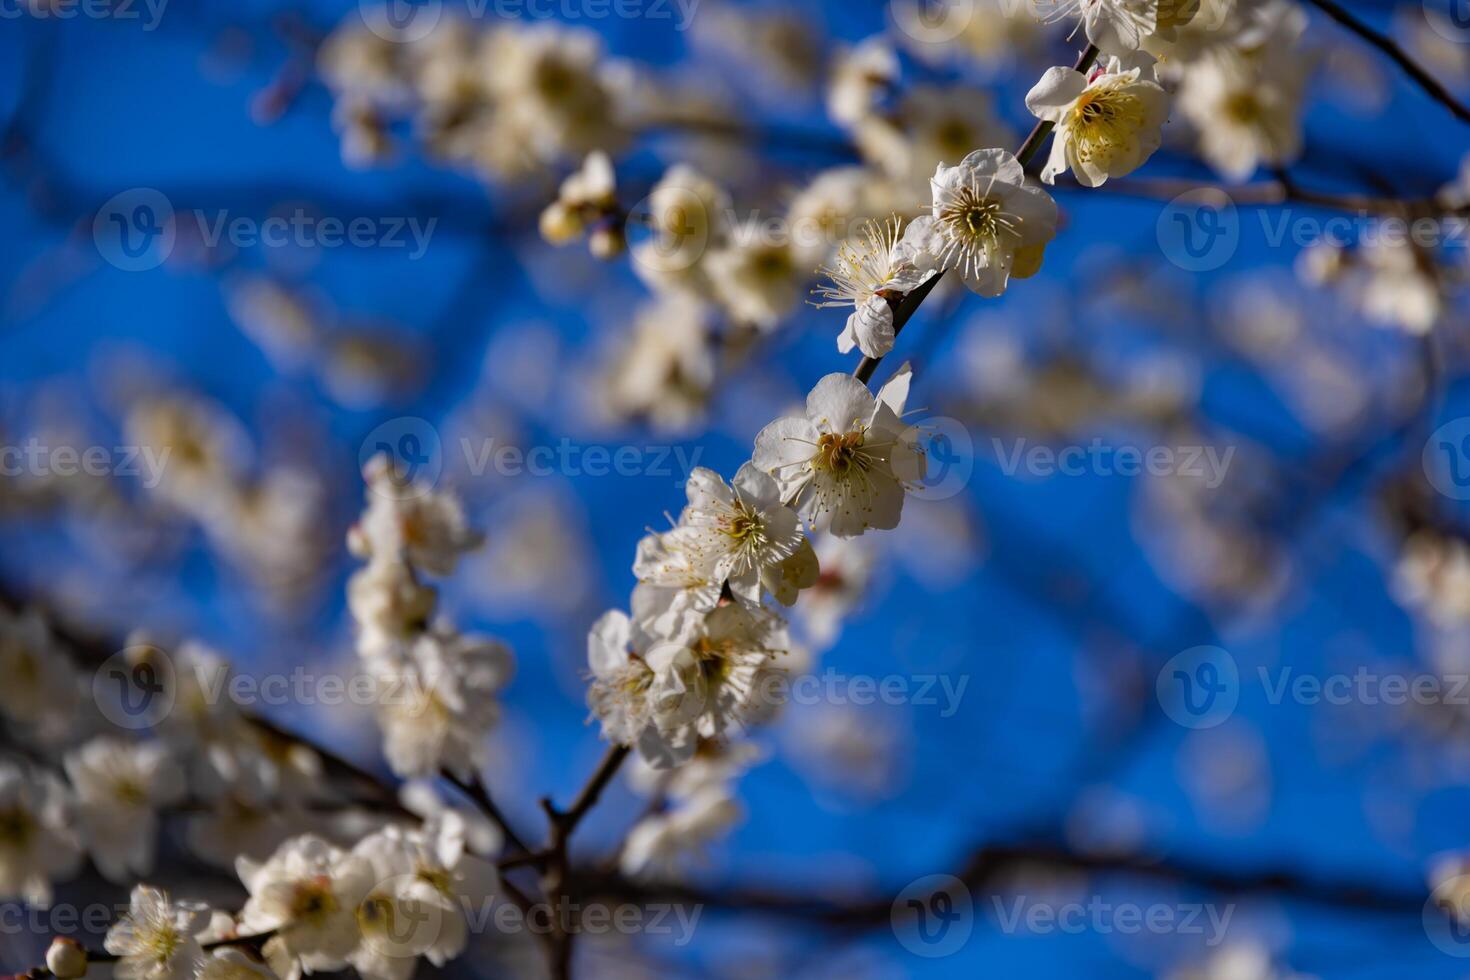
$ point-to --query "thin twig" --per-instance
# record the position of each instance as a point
(563, 825)
(910, 303)
(1388, 46)
(474, 788)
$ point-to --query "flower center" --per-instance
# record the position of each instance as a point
(839, 453)
(16, 827)
(1105, 120)
(314, 900)
(974, 217)
(1243, 107)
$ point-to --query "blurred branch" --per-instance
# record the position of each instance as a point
(1266, 194)
(987, 870)
(1400, 57)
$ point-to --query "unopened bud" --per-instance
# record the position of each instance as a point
(607, 242)
(559, 223)
(66, 959)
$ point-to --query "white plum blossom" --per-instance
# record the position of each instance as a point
(665, 370)
(840, 464)
(869, 274)
(40, 689)
(621, 680)
(757, 281)
(229, 963)
(940, 124)
(552, 89)
(427, 530)
(1120, 27)
(663, 695)
(742, 529)
(157, 939)
(389, 603)
(823, 213)
(988, 222)
(675, 579)
(1245, 107)
(658, 845)
(687, 214)
(426, 882)
(1107, 123)
(439, 701)
(307, 893)
(713, 679)
(740, 536)
(859, 80)
(586, 196)
(36, 846)
(119, 787)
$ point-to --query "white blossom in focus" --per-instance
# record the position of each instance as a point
(837, 463)
(743, 529)
(869, 274)
(618, 694)
(988, 223)
(156, 939)
(1107, 123)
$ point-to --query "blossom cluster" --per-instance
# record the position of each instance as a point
(447, 680)
(693, 664)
